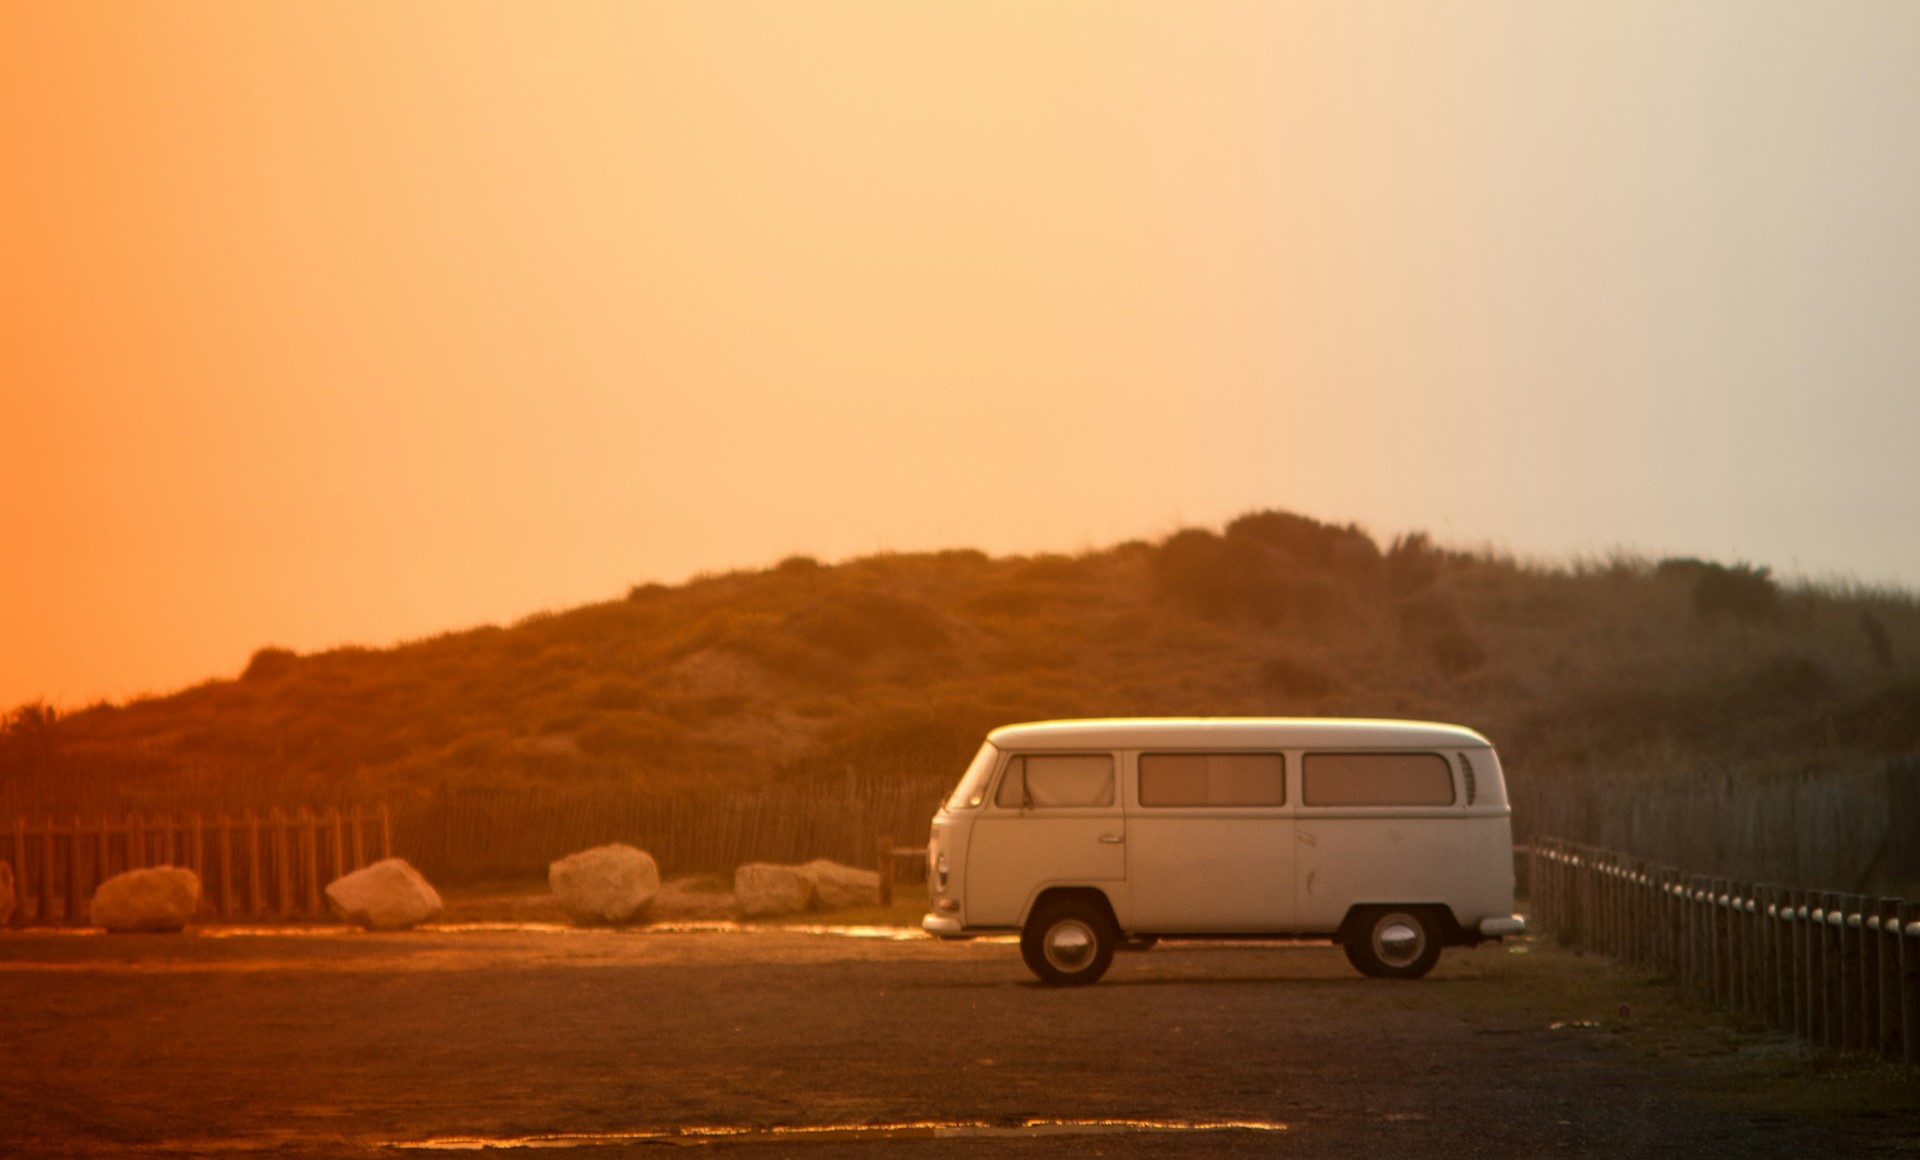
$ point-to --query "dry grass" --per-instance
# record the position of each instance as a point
(1533, 983)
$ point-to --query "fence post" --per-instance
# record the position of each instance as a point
(1730, 915)
(883, 850)
(1540, 885)
(255, 896)
(20, 869)
(1575, 916)
(1636, 913)
(339, 866)
(1908, 920)
(310, 862)
(1707, 922)
(74, 874)
(1866, 976)
(1887, 950)
(386, 832)
(1849, 1036)
(1741, 949)
(45, 893)
(226, 866)
(136, 841)
(1738, 959)
(1832, 969)
(1616, 909)
(1807, 945)
(1778, 978)
(1555, 887)
(1663, 913)
(1681, 898)
(1602, 934)
(1752, 983)
(1700, 935)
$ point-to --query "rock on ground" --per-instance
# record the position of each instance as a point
(6, 893)
(155, 898)
(605, 884)
(388, 895)
(762, 889)
(837, 886)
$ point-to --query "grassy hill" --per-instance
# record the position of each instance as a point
(895, 665)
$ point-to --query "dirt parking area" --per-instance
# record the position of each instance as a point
(830, 1042)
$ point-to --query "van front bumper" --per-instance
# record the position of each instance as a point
(1495, 927)
(942, 926)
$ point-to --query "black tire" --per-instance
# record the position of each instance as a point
(1068, 942)
(1393, 942)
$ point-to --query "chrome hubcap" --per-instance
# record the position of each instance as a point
(1398, 940)
(1070, 945)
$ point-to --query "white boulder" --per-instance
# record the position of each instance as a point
(761, 889)
(6, 893)
(156, 898)
(605, 884)
(838, 887)
(388, 895)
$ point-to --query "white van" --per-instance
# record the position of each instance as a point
(1393, 838)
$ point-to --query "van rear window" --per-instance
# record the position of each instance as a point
(1042, 780)
(1213, 779)
(1376, 779)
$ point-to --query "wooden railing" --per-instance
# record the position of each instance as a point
(1840, 971)
(250, 866)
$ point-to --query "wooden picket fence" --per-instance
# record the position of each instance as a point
(467, 833)
(250, 867)
(1841, 971)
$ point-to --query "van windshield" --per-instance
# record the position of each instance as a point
(972, 789)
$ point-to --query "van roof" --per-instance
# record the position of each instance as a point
(1235, 733)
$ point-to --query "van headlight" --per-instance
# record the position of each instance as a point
(940, 872)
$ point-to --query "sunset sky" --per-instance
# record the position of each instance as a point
(357, 322)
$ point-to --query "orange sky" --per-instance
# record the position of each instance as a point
(355, 322)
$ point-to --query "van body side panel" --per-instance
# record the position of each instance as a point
(1352, 857)
(1226, 870)
(1012, 855)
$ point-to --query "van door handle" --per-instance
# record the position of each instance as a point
(1113, 839)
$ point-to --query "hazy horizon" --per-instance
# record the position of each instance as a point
(363, 323)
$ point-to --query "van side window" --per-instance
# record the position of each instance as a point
(1376, 779)
(1042, 780)
(1213, 779)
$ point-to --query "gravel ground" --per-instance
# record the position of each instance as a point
(352, 1044)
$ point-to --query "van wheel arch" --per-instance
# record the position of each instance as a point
(1091, 895)
(1452, 934)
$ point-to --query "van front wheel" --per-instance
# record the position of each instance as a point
(1068, 943)
(1391, 942)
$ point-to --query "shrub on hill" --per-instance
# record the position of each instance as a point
(1741, 592)
(1237, 578)
(1433, 624)
(861, 622)
(1412, 563)
(1293, 678)
(1308, 543)
(270, 662)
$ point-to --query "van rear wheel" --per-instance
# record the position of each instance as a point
(1392, 942)
(1068, 942)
